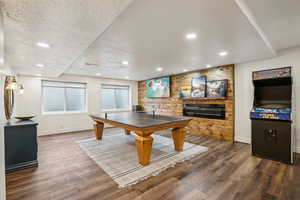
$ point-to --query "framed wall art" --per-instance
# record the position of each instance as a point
(185, 91)
(217, 88)
(198, 87)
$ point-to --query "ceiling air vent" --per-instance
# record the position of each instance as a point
(91, 64)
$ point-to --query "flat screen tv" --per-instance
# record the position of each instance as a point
(158, 87)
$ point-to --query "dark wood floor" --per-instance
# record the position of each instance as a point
(227, 171)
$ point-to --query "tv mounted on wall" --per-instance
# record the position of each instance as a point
(158, 87)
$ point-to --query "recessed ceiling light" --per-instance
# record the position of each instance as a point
(40, 65)
(38, 74)
(184, 70)
(127, 77)
(191, 36)
(42, 44)
(223, 53)
(98, 74)
(125, 62)
(159, 69)
(208, 66)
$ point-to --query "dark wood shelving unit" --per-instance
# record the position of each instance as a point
(205, 98)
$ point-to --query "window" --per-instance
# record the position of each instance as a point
(63, 97)
(115, 97)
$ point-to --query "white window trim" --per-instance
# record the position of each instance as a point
(63, 112)
(115, 110)
(84, 111)
(120, 109)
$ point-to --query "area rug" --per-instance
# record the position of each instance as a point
(117, 156)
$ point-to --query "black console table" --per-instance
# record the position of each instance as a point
(20, 139)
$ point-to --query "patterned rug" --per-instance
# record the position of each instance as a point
(116, 155)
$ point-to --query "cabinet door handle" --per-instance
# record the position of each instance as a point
(270, 135)
(266, 133)
(274, 135)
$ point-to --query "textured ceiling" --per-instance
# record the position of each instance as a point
(69, 26)
(151, 34)
(280, 20)
(94, 36)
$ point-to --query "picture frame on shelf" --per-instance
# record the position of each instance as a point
(216, 88)
(199, 87)
(185, 91)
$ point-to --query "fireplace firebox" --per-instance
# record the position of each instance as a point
(212, 111)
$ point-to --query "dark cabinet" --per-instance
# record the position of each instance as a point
(20, 139)
(272, 139)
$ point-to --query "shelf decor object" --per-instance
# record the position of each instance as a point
(198, 87)
(216, 88)
(10, 86)
(9, 96)
(185, 92)
(24, 118)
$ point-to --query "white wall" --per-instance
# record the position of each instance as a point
(2, 161)
(2, 118)
(30, 103)
(244, 90)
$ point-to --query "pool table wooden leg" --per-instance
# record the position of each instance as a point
(178, 138)
(144, 148)
(98, 128)
(127, 132)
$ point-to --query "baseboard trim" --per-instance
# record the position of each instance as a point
(242, 141)
(297, 149)
(20, 166)
(60, 131)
